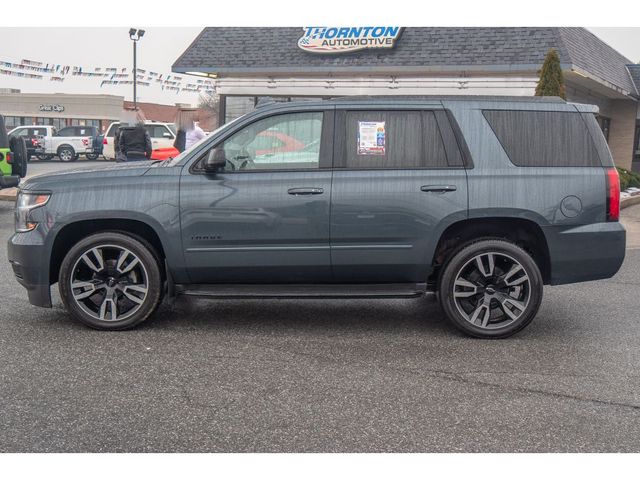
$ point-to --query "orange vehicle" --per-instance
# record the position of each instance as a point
(164, 153)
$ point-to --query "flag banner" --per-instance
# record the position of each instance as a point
(20, 74)
(56, 72)
(31, 62)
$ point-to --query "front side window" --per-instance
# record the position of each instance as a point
(282, 142)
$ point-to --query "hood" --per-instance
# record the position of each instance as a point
(127, 169)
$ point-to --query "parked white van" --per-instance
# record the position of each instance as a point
(162, 136)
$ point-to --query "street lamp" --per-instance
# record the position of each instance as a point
(135, 35)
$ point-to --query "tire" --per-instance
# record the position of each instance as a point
(490, 289)
(20, 157)
(91, 156)
(105, 288)
(66, 153)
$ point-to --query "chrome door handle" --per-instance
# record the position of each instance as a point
(438, 188)
(306, 191)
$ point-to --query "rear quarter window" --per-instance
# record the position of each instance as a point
(544, 139)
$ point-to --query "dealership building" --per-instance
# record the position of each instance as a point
(285, 64)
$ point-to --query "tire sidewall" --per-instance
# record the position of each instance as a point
(69, 149)
(466, 253)
(144, 253)
(20, 156)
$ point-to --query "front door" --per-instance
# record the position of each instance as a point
(398, 174)
(264, 218)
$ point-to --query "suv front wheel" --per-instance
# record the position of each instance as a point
(491, 289)
(110, 281)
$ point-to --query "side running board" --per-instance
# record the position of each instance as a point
(390, 290)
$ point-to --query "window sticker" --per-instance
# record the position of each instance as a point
(371, 138)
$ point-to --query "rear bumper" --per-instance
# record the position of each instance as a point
(586, 252)
(31, 268)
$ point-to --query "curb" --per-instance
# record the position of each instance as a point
(627, 202)
(8, 194)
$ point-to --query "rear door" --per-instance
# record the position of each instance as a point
(397, 174)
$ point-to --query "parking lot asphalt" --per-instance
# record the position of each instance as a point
(323, 375)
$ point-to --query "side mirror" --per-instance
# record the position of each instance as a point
(215, 160)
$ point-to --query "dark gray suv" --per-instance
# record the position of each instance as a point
(482, 200)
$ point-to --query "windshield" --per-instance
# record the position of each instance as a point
(176, 160)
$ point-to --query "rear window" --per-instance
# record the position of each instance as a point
(544, 139)
(37, 131)
(112, 130)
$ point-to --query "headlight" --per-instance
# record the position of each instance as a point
(25, 204)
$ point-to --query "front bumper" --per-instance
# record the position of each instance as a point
(586, 252)
(30, 263)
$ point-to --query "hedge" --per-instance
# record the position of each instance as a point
(628, 179)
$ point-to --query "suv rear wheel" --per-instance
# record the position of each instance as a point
(110, 281)
(491, 289)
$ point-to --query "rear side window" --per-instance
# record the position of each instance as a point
(544, 139)
(67, 132)
(393, 139)
(158, 131)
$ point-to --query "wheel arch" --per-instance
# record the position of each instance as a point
(524, 232)
(74, 231)
(65, 145)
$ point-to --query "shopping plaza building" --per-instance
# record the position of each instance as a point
(323, 62)
(63, 110)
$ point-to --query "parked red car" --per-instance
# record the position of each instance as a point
(282, 143)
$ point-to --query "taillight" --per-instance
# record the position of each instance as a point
(9, 158)
(85, 141)
(613, 195)
(104, 141)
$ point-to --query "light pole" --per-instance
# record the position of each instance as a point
(135, 35)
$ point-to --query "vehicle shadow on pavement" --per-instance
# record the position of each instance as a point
(355, 315)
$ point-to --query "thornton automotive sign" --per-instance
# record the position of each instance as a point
(347, 39)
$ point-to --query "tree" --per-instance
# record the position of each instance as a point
(551, 81)
(209, 106)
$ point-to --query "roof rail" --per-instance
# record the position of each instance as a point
(468, 98)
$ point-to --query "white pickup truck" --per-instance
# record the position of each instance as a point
(66, 148)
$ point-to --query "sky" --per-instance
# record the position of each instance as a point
(157, 50)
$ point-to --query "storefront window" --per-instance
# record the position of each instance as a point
(12, 122)
(605, 125)
(82, 122)
(635, 166)
(236, 106)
